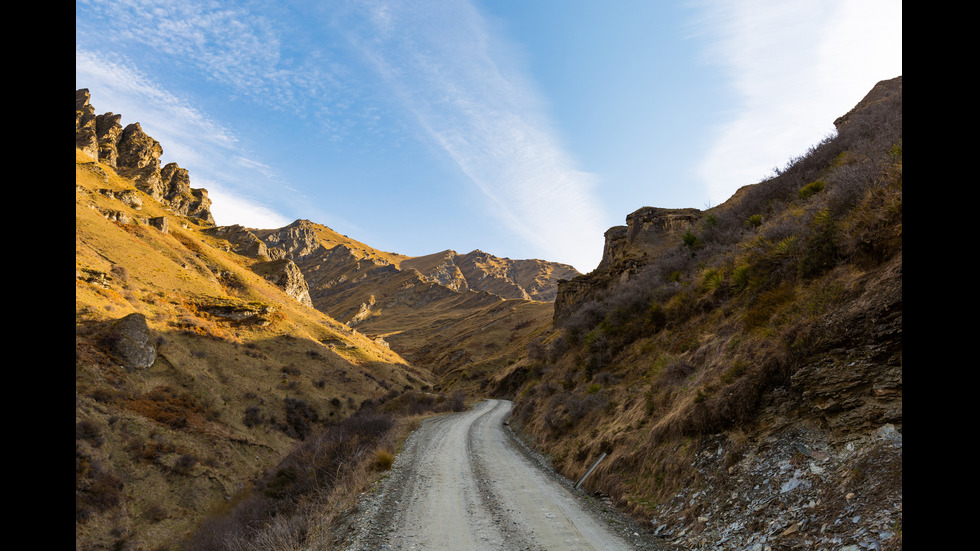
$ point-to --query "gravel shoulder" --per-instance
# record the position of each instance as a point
(464, 482)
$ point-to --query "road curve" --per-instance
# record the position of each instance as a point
(462, 484)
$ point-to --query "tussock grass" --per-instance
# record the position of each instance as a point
(700, 334)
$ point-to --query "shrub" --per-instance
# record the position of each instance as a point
(120, 272)
(713, 279)
(300, 418)
(185, 463)
(753, 221)
(88, 430)
(383, 460)
(676, 372)
(811, 189)
(765, 305)
(691, 241)
(820, 250)
(457, 402)
(735, 371)
(253, 416)
(741, 278)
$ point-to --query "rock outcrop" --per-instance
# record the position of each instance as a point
(131, 342)
(648, 231)
(285, 274)
(136, 155)
(246, 243)
(529, 279)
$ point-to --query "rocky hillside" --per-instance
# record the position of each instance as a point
(214, 363)
(458, 315)
(741, 367)
(201, 364)
(136, 156)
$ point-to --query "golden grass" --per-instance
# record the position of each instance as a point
(174, 434)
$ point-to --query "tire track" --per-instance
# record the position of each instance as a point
(462, 484)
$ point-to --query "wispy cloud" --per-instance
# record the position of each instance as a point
(442, 63)
(794, 67)
(139, 99)
(469, 95)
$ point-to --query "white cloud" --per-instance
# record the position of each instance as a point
(230, 208)
(467, 93)
(795, 67)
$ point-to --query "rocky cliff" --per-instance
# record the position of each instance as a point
(136, 155)
(648, 232)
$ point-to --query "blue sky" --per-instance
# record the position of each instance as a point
(524, 128)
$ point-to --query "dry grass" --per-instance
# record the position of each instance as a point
(732, 319)
(175, 435)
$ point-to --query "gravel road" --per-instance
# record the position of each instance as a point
(463, 482)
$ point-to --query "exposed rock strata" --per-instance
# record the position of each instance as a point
(286, 275)
(136, 155)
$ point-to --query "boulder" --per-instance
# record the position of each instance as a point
(131, 342)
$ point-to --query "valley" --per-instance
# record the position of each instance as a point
(739, 368)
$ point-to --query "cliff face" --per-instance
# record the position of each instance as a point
(136, 155)
(648, 232)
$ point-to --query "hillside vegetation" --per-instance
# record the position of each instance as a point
(200, 384)
(234, 386)
(760, 347)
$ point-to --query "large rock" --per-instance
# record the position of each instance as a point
(85, 137)
(183, 200)
(246, 243)
(648, 232)
(131, 342)
(108, 130)
(285, 274)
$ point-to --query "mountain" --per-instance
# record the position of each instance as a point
(741, 367)
(446, 312)
(213, 361)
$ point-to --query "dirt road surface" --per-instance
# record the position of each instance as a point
(463, 483)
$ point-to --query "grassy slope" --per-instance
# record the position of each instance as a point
(156, 449)
(784, 274)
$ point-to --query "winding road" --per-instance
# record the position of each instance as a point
(462, 483)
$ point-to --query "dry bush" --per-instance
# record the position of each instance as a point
(165, 405)
(272, 516)
(383, 460)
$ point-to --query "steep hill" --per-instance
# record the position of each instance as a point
(741, 367)
(212, 373)
(198, 369)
